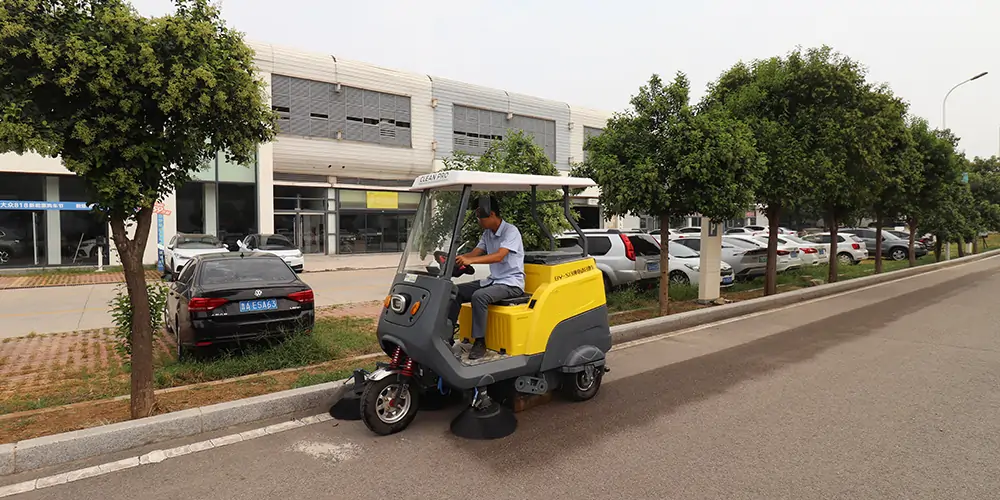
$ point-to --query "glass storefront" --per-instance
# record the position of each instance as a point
(374, 221)
(221, 199)
(82, 234)
(22, 232)
(300, 214)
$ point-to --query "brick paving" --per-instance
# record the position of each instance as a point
(67, 279)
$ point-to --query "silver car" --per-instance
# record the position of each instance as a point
(624, 257)
(747, 263)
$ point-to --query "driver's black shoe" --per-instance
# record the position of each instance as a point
(478, 349)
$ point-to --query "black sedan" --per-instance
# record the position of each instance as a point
(233, 297)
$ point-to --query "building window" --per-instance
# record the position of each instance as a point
(474, 130)
(83, 234)
(22, 235)
(589, 132)
(316, 109)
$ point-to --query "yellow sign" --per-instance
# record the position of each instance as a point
(382, 199)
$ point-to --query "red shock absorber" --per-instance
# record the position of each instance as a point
(407, 370)
(397, 357)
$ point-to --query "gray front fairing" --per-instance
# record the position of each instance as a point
(425, 336)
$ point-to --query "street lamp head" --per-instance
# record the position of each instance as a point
(979, 76)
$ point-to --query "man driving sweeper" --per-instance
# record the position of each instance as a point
(499, 246)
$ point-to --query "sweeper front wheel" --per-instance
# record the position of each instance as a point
(389, 405)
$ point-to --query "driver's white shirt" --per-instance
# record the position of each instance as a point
(510, 270)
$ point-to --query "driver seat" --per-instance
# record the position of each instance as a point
(514, 301)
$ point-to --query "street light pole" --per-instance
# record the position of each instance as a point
(944, 126)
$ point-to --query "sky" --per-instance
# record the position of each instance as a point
(598, 53)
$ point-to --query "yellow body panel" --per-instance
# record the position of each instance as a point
(560, 291)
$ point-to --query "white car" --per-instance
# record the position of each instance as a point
(813, 254)
(685, 266)
(788, 257)
(850, 248)
(747, 231)
(183, 246)
(275, 244)
(655, 233)
(684, 232)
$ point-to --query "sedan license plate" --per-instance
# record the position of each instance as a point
(795, 255)
(653, 266)
(822, 251)
(258, 305)
(762, 259)
(727, 280)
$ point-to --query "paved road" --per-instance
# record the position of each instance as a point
(889, 392)
(69, 308)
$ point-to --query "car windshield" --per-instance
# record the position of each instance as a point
(275, 242)
(431, 232)
(197, 242)
(236, 271)
(680, 251)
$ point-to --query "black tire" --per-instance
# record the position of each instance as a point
(846, 258)
(370, 403)
(679, 278)
(899, 253)
(607, 284)
(575, 388)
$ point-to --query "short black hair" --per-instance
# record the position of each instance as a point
(494, 204)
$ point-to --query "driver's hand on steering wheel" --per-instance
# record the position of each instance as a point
(462, 260)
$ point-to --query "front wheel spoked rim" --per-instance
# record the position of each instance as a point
(392, 404)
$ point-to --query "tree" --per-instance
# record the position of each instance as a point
(663, 158)
(133, 106)
(984, 186)
(897, 181)
(810, 112)
(515, 154)
(939, 164)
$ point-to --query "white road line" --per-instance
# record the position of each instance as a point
(157, 456)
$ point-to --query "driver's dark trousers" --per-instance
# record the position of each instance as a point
(480, 297)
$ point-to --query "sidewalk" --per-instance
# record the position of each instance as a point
(67, 277)
(85, 307)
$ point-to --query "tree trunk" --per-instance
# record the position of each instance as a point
(664, 265)
(913, 238)
(878, 242)
(142, 399)
(834, 249)
(961, 246)
(975, 244)
(771, 271)
(938, 243)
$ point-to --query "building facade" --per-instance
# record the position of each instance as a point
(352, 137)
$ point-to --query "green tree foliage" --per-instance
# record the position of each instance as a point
(133, 106)
(936, 210)
(663, 158)
(515, 154)
(984, 185)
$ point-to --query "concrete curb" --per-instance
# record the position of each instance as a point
(33, 454)
(47, 451)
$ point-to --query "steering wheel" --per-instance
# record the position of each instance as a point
(442, 259)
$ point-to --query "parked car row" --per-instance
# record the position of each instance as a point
(185, 246)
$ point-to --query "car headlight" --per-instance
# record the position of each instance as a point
(693, 267)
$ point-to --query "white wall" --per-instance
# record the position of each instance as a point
(337, 157)
(31, 163)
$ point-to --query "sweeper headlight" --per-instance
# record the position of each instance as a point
(397, 303)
